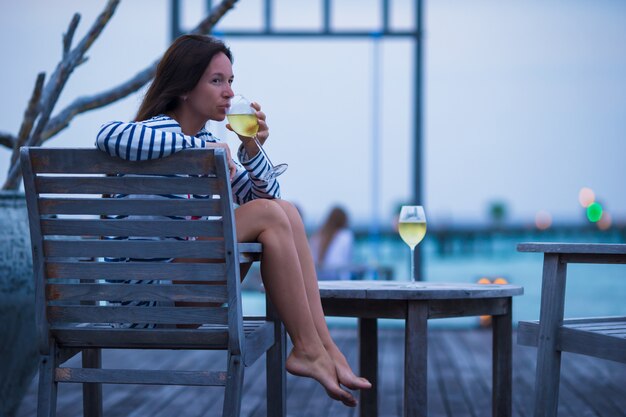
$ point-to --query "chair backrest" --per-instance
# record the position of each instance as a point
(87, 209)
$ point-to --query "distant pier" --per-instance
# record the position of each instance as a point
(472, 239)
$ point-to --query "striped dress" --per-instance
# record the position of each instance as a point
(162, 136)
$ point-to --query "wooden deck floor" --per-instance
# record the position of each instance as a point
(459, 381)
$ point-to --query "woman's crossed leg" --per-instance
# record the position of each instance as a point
(289, 277)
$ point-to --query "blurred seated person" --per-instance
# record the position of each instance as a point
(332, 246)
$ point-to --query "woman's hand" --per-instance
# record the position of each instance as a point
(232, 168)
(264, 130)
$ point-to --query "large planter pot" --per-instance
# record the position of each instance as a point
(18, 347)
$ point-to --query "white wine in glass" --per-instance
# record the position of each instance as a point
(412, 229)
(242, 118)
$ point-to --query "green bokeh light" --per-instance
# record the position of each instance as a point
(594, 212)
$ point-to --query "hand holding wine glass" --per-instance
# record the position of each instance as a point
(412, 228)
(243, 120)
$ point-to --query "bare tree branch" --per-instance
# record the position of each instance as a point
(7, 140)
(211, 20)
(32, 110)
(56, 83)
(86, 103)
(64, 69)
(47, 126)
(69, 36)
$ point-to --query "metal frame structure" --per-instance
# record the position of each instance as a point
(327, 31)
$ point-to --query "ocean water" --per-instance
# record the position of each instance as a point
(592, 289)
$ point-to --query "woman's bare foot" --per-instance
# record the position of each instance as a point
(321, 368)
(346, 377)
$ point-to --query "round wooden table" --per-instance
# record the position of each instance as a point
(416, 302)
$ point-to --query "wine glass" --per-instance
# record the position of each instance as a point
(242, 118)
(412, 228)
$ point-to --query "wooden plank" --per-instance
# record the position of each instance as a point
(594, 320)
(368, 365)
(129, 206)
(234, 387)
(594, 258)
(502, 371)
(77, 161)
(398, 290)
(468, 307)
(249, 252)
(574, 248)
(577, 339)
(551, 317)
(259, 337)
(528, 333)
(133, 227)
(41, 324)
(416, 360)
(148, 185)
(127, 376)
(350, 307)
(143, 271)
(138, 249)
(251, 247)
(375, 308)
(157, 315)
(593, 344)
(47, 399)
(130, 292)
(92, 393)
(276, 356)
(204, 338)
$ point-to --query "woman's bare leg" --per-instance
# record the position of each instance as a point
(307, 265)
(264, 221)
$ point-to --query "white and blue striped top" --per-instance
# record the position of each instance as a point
(162, 136)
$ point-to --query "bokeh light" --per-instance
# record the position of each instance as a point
(543, 220)
(594, 212)
(605, 221)
(586, 196)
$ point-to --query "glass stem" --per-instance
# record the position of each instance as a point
(262, 151)
(412, 263)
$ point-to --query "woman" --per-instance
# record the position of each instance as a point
(193, 84)
(332, 246)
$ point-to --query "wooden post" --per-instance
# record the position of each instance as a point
(368, 366)
(502, 364)
(416, 359)
(275, 367)
(551, 317)
(92, 392)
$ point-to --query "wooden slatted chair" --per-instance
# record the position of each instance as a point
(87, 303)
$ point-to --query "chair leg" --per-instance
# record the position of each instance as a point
(92, 393)
(275, 373)
(47, 397)
(234, 387)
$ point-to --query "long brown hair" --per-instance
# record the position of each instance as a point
(337, 219)
(178, 72)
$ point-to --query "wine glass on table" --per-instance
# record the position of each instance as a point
(242, 118)
(412, 228)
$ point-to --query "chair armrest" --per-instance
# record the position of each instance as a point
(574, 248)
(249, 252)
